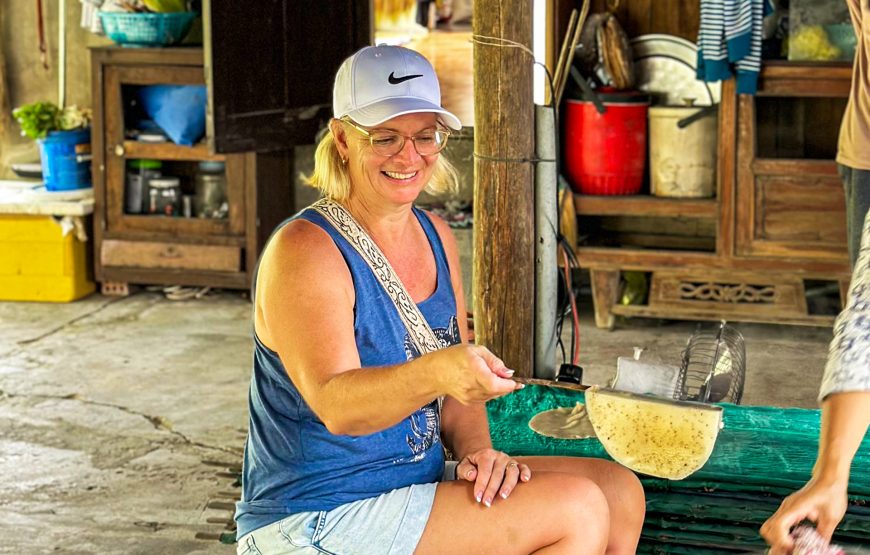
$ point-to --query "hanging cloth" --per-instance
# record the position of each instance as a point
(729, 41)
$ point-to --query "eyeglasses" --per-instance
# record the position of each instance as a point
(390, 143)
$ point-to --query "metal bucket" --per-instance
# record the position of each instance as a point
(682, 161)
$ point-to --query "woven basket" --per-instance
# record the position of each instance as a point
(146, 29)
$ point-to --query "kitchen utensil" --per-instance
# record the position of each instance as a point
(702, 113)
(569, 58)
(28, 171)
(40, 32)
(551, 383)
(588, 92)
(586, 53)
(614, 51)
(664, 66)
(652, 435)
(563, 52)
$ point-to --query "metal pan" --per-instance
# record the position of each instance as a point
(665, 65)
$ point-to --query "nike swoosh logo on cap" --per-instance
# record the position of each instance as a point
(396, 80)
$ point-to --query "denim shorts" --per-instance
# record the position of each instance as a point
(390, 524)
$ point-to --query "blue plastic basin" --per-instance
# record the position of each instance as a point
(66, 159)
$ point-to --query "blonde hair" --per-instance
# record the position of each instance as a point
(332, 179)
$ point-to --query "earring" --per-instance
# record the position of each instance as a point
(344, 161)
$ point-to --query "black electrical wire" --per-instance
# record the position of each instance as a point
(560, 317)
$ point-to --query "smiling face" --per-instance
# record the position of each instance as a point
(396, 179)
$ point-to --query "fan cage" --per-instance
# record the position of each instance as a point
(713, 366)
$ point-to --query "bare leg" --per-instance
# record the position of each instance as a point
(621, 488)
(540, 516)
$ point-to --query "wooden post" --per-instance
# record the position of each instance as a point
(503, 182)
(605, 290)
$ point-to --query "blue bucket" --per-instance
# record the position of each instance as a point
(66, 159)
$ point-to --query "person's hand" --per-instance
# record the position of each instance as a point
(822, 503)
(472, 374)
(493, 473)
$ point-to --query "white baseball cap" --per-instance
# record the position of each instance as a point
(381, 82)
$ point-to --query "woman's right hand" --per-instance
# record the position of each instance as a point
(472, 374)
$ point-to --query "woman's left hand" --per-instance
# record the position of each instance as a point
(493, 473)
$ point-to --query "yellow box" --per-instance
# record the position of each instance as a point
(39, 263)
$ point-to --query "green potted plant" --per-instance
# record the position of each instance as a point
(64, 138)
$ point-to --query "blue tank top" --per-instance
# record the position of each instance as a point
(292, 463)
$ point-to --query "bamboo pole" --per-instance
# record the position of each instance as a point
(503, 181)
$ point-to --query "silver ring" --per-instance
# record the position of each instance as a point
(513, 463)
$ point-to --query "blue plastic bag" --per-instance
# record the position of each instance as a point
(178, 109)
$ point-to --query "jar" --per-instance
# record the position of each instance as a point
(139, 174)
(164, 196)
(210, 187)
(682, 161)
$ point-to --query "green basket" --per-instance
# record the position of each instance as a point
(146, 29)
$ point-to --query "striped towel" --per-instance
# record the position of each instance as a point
(729, 41)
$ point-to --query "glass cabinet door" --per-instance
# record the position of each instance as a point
(154, 185)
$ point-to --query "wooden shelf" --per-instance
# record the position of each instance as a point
(806, 70)
(796, 79)
(190, 233)
(170, 151)
(714, 316)
(229, 280)
(645, 205)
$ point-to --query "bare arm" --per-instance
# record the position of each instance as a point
(465, 426)
(845, 418)
(304, 312)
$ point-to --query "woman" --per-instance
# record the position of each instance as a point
(345, 451)
(845, 397)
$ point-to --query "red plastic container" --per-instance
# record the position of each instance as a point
(605, 154)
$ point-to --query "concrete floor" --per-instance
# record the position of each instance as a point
(110, 406)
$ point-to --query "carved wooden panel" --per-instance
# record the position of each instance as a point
(736, 295)
(692, 290)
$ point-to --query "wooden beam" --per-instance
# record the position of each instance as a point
(633, 205)
(503, 182)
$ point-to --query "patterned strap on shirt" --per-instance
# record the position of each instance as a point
(420, 333)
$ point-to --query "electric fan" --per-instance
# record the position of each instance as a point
(713, 366)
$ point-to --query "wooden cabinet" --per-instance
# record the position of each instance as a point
(159, 249)
(789, 197)
(269, 88)
(772, 239)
